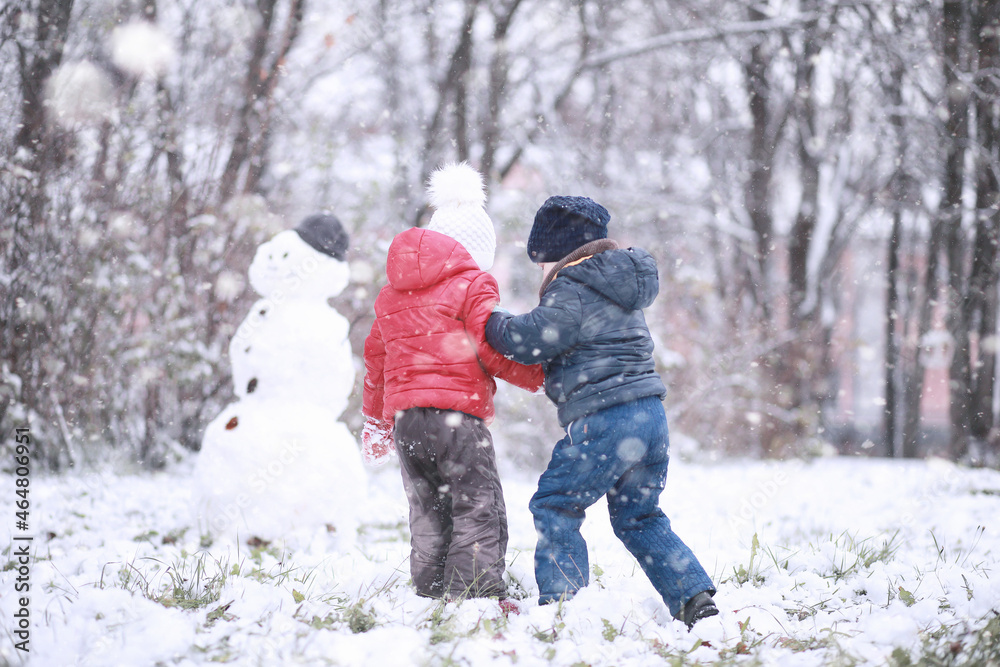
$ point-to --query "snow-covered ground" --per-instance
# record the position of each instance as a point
(830, 561)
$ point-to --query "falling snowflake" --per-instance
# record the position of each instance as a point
(228, 286)
(78, 93)
(142, 49)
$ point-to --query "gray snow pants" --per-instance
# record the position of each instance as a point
(458, 520)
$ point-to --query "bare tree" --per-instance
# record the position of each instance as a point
(269, 49)
(979, 318)
(503, 16)
(768, 121)
(732, 140)
(893, 319)
(37, 151)
(116, 328)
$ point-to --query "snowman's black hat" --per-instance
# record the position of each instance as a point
(324, 232)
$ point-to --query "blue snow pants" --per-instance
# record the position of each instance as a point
(621, 452)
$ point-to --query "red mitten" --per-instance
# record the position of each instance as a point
(377, 445)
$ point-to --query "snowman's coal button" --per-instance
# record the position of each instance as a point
(251, 385)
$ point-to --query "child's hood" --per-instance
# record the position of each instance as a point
(419, 258)
(626, 276)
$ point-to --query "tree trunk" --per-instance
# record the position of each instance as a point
(247, 157)
(893, 370)
(51, 28)
(809, 160)
(499, 68)
(38, 150)
(946, 237)
(761, 163)
(890, 416)
(805, 369)
(452, 82)
(981, 301)
(800, 372)
(249, 110)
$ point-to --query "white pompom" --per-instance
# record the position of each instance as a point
(456, 184)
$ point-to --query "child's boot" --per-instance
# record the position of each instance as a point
(700, 606)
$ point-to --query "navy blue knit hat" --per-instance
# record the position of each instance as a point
(563, 224)
(324, 232)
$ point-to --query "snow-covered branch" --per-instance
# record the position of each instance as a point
(696, 35)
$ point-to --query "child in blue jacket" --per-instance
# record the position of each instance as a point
(590, 336)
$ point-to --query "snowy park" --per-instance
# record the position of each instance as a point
(832, 561)
(265, 263)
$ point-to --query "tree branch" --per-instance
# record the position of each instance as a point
(697, 35)
(660, 42)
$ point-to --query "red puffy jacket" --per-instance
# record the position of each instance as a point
(427, 347)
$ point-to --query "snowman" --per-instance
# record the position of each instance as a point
(278, 460)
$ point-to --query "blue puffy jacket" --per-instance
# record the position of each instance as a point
(588, 331)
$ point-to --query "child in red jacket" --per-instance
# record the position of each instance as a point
(429, 390)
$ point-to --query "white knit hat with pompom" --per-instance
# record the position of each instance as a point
(456, 192)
